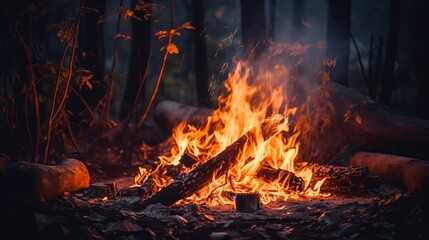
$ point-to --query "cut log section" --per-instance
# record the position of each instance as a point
(247, 202)
(408, 172)
(217, 166)
(36, 181)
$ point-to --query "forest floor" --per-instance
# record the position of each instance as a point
(384, 213)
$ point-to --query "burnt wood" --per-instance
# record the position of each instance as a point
(341, 179)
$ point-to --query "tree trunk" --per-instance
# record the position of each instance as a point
(338, 39)
(140, 54)
(254, 28)
(298, 15)
(273, 6)
(201, 65)
(387, 82)
(91, 52)
(421, 51)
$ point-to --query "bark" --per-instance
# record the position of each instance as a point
(408, 172)
(201, 63)
(338, 38)
(253, 27)
(27, 180)
(140, 54)
(217, 166)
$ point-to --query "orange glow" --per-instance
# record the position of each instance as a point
(248, 100)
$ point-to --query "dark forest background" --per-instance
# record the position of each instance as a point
(73, 72)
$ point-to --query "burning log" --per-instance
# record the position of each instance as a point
(217, 166)
(341, 179)
(408, 172)
(364, 122)
(284, 177)
(36, 181)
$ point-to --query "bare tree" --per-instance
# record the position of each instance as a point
(201, 65)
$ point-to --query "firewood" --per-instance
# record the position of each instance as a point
(340, 179)
(408, 172)
(36, 181)
(217, 166)
(247, 202)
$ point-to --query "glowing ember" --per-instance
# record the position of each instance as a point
(247, 101)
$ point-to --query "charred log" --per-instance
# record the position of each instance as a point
(341, 179)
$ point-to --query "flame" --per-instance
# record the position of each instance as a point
(249, 99)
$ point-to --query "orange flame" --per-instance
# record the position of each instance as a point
(248, 100)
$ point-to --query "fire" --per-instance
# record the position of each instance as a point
(248, 100)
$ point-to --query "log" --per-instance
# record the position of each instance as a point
(288, 179)
(359, 118)
(34, 181)
(341, 179)
(379, 128)
(404, 171)
(217, 166)
(169, 114)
